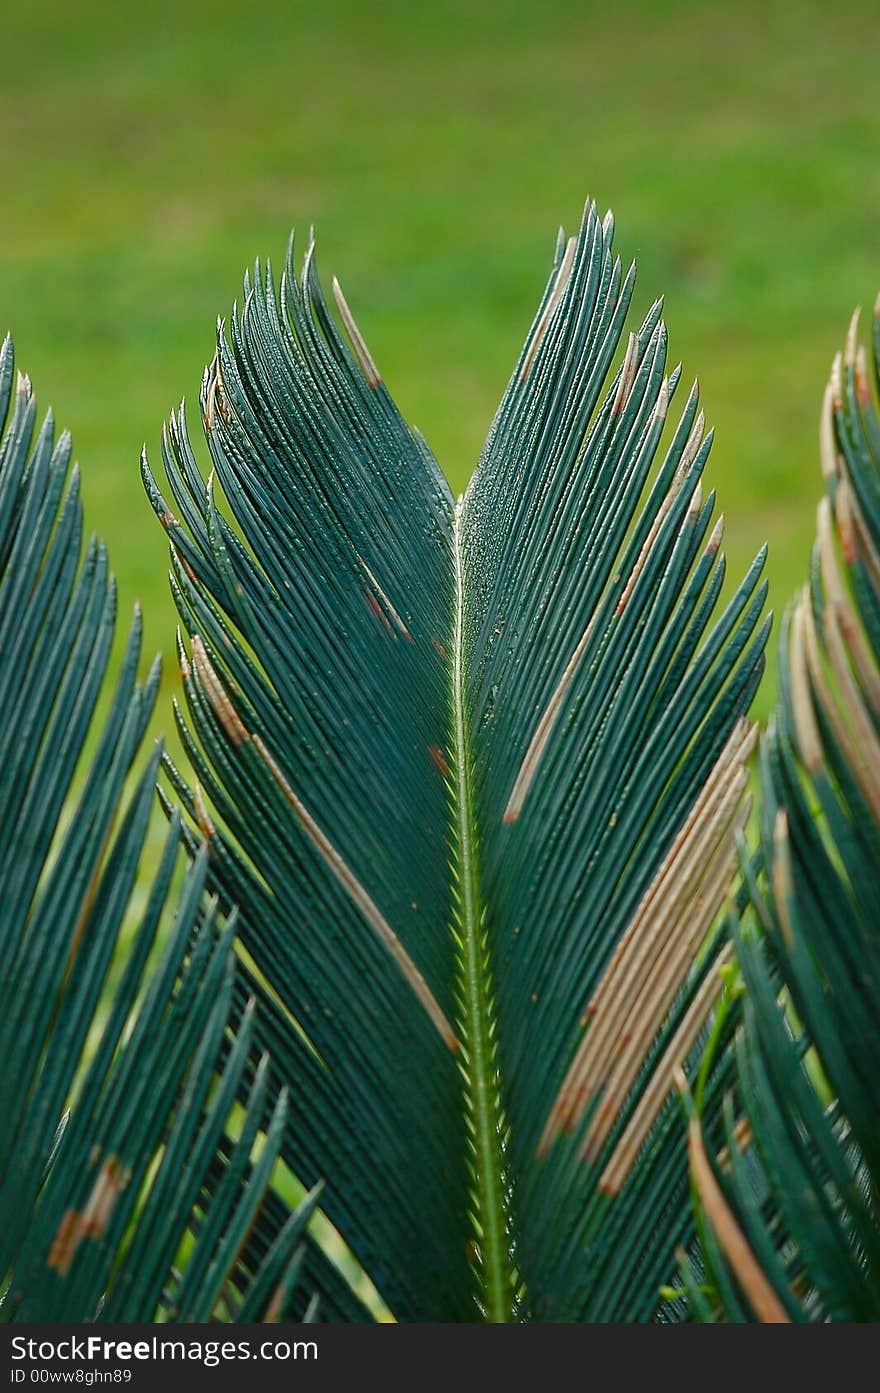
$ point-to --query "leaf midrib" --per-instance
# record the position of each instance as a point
(483, 1101)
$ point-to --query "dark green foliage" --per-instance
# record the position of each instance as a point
(113, 1116)
(429, 899)
(803, 1185)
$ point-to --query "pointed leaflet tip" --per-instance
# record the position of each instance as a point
(217, 694)
(183, 660)
(696, 502)
(678, 480)
(538, 743)
(806, 726)
(627, 374)
(827, 449)
(694, 441)
(716, 538)
(209, 388)
(837, 382)
(852, 337)
(560, 285)
(356, 338)
(863, 384)
(203, 817)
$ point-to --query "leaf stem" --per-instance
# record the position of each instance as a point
(478, 1036)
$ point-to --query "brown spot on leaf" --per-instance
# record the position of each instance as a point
(439, 759)
(376, 609)
(64, 1243)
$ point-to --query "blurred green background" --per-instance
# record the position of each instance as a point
(149, 152)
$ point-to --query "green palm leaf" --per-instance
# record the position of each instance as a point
(791, 1222)
(472, 773)
(111, 1128)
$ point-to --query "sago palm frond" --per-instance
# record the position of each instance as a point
(790, 1215)
(472, 772)
(127, 1187)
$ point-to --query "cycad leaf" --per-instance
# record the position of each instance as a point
(792, 1224)
(108, 1130)
(446, 755)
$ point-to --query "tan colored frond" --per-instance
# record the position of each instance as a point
(538, 743)
(845, 616)
(560, 285)
(749, 1273)
(239, 735)
(856, 538)
(863, 759)
(628, 370)
(217, 694)
(781, 876)
(356, 338)
(359, 896)
(655, 954)
(663, 1078)
(385, 600)
(853, 703)
(827, 443)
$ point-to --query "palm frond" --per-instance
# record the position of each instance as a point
(111, 1126)
(790, 1219)
(472, 772)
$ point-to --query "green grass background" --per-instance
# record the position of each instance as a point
(150, 151)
